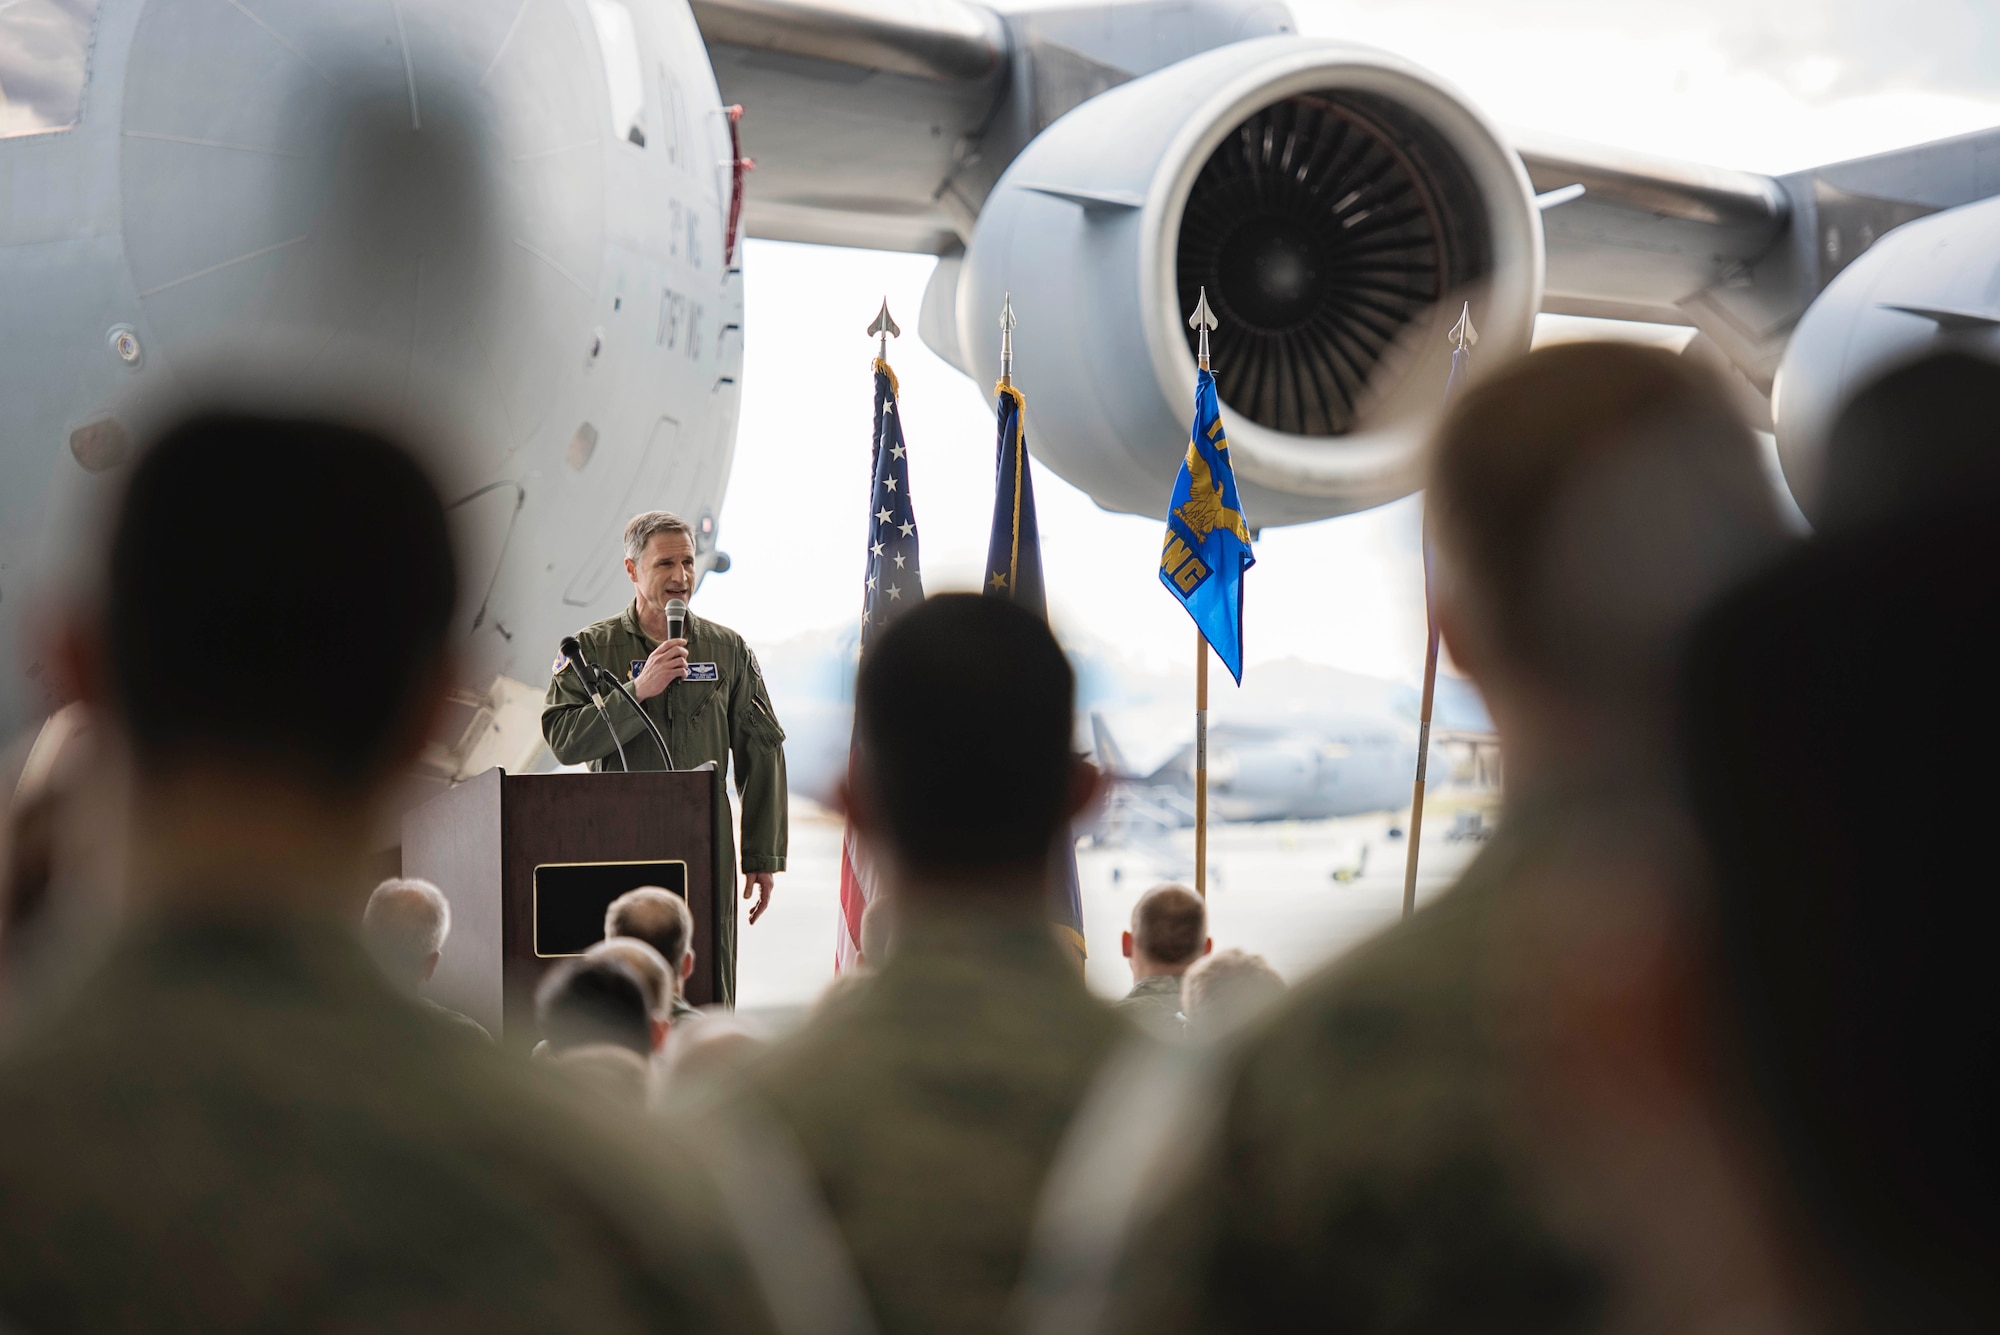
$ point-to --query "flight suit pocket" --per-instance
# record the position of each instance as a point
(761, 725)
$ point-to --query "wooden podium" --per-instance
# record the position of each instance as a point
(530, 861)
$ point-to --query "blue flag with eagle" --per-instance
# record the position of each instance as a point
(1014, 571)
(1207, 548)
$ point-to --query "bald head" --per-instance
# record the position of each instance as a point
(1169, 930)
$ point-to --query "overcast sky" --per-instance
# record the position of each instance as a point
(1769, 85)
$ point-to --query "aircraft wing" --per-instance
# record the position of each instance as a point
(1098, 159)
(867, 119)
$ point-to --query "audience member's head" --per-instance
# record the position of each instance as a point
(1224, 990)
(1169, 931)
(1586, 501)
(1846, 812)
(269, 650)
(878, 932)
(616, 1074)
(405, 926)
(653, 974)
(703, 1058)
(594, 1000)
(1916, 438)
(962, 764)
(277, 601)
(661, 919)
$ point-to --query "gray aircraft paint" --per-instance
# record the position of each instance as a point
(424, 202)
(441, 206)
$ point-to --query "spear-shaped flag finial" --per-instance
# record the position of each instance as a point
(1463, 335)
(1202, 321)
(1007, 339)
(886, 327)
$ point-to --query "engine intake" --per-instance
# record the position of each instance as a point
(1337, 204)
(1323, 227)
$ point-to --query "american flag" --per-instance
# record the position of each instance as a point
(894, 585)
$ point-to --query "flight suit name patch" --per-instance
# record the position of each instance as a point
(702, 672)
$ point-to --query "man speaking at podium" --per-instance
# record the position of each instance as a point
(701, 688)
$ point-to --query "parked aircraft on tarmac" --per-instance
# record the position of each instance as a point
(522, 218)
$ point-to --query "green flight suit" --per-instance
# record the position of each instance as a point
(702, 720)
(929, 1102)
(240, 1125)
(1155, 1002)
(1369, 1174)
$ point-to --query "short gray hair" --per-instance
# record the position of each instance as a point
(654, 975)
(405, 923)
(1225, 989)
(641, 528)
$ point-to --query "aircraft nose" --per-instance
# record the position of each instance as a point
(407, 192)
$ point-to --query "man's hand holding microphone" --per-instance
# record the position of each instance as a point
(668, 663)
(664, 666)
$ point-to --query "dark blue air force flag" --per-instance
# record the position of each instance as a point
(1207, 548)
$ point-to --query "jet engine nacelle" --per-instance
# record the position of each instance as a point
(1932, 282)
(1337, 203)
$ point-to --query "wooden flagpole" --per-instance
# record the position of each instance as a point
(1462, 336)
(1200, 764)
(1202, 321)
(1416, 832)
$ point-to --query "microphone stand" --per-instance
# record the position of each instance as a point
(644, 717)
(590, 675)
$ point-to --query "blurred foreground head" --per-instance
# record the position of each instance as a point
(594, 999)
(1846, 816)
(1914, 439)
(1226, 990)
(1586, 502)
(962, 728)
(276, 604)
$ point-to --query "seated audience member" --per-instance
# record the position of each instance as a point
(405, 926)
(930, 1102)
(1846, 819)
(655, 978)
(585, 1001)
(1226, 990)
(239, 1123)
(704, 1059)
(1480, 1120)
(60, 850)
(1169, 932)
(877, 936)
(661, 919)
(598, 1022)
(878, 932)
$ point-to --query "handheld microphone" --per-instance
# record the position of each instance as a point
(573, 651)
(593, 679)
(677, 616)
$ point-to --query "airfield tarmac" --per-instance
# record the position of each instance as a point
(1271, 890)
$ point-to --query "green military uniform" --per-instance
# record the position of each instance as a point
(239, 1125)
(702, 721)
(929, 1102)
(1370, 1172)
(1155, 1003)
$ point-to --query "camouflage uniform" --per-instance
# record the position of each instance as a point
(929, 1102)
(240, 1126)
(1155, 1004)
(702, 721)
(1369, 1173)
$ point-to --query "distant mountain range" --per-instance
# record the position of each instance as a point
(811, 678)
